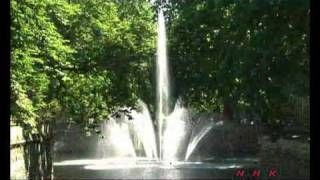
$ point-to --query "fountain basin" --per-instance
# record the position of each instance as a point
(143, 168)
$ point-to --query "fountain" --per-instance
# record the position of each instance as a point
(175, 138)
(137, 147)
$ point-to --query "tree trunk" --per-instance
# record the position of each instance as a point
(227, 111)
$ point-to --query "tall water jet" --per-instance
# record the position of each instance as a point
(163, 84)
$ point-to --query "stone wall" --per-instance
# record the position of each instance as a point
(29, 158)
(17, 162)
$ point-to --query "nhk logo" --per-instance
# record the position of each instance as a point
(242, 174)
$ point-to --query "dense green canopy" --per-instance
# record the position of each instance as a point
(249, 56)
(80, 59)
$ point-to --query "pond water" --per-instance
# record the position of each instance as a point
(141, 168)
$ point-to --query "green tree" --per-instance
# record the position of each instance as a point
(88, 56)
(248, 56)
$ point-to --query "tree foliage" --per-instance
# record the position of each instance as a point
(251, 55)
(83, 57)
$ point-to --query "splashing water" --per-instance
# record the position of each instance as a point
(122, 137)
(116, 141)
(143, 127)
(176, 133)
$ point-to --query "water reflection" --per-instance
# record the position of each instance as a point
(144, 168)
